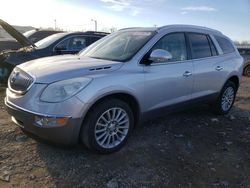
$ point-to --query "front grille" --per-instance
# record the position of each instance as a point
(20, 81)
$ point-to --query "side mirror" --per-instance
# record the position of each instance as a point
(160, 55)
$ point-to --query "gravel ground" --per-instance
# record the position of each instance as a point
(194, 148)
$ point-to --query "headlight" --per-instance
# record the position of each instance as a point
(63, 90)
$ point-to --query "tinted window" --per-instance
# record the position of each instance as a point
(77, 43)
(225, 44)
(94, 39)
(64, 44)
(175, 44)
(199, 45)
(73, 43)
(244, 51)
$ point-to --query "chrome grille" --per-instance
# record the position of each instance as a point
(20, 81)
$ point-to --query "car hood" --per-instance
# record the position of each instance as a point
(16, 34)
(52, 69)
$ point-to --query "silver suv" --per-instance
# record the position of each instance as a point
(99, 95)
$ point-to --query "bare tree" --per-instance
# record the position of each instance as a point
(242, 43)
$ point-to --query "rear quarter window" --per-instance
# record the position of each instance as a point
(225, 44)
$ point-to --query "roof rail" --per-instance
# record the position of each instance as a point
(97, 32)
(129, 28)
(190, 26)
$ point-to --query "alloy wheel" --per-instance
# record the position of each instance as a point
(227, 99)
(112, 127)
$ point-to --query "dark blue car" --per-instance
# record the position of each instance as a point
(56, 44)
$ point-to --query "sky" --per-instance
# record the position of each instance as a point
(232, 17)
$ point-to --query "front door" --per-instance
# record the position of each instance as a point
(170, 82)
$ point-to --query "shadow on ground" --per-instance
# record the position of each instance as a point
(189, 149)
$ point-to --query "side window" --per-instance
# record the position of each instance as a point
(63, 45)
(225, 44)
(77, 43)
(73, 44)
(174, 43)
(94, 39)
(242, 51)
(200, 45)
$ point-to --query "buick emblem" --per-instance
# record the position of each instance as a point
(14, 77)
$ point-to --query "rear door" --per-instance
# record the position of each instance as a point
(170, 82)
(208, 70)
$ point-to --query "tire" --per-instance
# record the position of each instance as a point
(101, 131)
(247, 71)
(226, 99)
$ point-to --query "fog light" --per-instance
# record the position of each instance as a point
(50, 121)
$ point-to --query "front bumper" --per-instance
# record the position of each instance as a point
(67, 134)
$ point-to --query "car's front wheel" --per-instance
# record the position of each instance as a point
(107, 126)
(226, 98)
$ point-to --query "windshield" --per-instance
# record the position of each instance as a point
(27, 34)
(49, 40)
(120, 46)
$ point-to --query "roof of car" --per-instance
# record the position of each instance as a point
(178, 27)
(191, 27)
(66, 34)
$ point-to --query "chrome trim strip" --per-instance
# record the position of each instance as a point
(15, 107)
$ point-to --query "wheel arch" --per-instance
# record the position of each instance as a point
(126, 97)
(235, 79)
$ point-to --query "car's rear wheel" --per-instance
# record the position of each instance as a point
(226, 98)
(247, 71)
(107, 126)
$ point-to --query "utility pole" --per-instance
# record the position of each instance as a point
(95, 23)
(55, 23)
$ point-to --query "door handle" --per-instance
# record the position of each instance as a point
(218, 68)
(187, 74)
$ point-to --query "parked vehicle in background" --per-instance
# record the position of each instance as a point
(245, 53)
(33, 35)
(56, 44)
(128, 76)
(36, 35)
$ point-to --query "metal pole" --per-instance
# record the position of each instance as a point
(95, 24)
(55, 23)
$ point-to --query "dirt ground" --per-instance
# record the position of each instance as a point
(190, 149)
